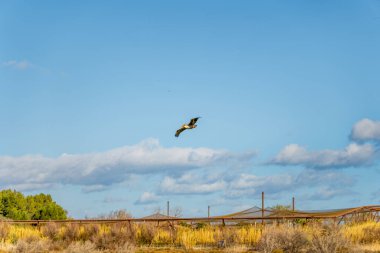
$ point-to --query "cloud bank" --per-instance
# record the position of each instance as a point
(361, 152)
(95, 171)
(327, 184)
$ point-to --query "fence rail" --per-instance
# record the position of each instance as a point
(374, 211)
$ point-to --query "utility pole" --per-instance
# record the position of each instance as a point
(262, 207)
(293, 204)
(208, 212)
(167, 210)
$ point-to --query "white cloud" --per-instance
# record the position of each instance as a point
(245, 185)
(250, 184)
(110, 199)
(97, 170)
(310, 177)
(354, 155)
(147, 198)
(21, 65)
(333, 184)
(326, 193)
(94, 188)
(191, 184)
(28, 186)
(366, 130)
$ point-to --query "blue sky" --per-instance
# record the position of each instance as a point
(91, 94)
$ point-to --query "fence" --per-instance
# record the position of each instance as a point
(254, 214)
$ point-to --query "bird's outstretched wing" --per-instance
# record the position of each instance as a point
(193, 121)
(179, 131)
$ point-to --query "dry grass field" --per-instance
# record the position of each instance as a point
(147, 237)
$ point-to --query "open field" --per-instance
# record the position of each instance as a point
(148, 237)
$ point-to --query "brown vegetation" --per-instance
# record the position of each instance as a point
(126, 237)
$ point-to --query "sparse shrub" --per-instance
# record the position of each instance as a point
(116, 236)
(70, 232)
(4, 230)
(31, 244)
(125, 248)
(200, 225)
(328, 240)
(184, 224)
(236, 249)
(301, 221)
(81, 247)
(51, 230)
(88, 232)
(228, 237)
(283, 239)
(118, 214)
(293, 240)
(269, 240)
(145, 233)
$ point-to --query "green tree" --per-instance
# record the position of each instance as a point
(15, 205)
(42, 207)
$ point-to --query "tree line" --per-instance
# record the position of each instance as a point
(14, 205)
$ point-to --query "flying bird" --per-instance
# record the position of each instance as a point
(191, 125)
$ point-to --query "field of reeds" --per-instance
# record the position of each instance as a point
(148, 237)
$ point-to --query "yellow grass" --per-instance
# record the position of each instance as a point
(212, 236)
(365, 236)
(162, 237)
(248, 235)
(370, 247)
(17, 232)
(363, 232)
(187, 238)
